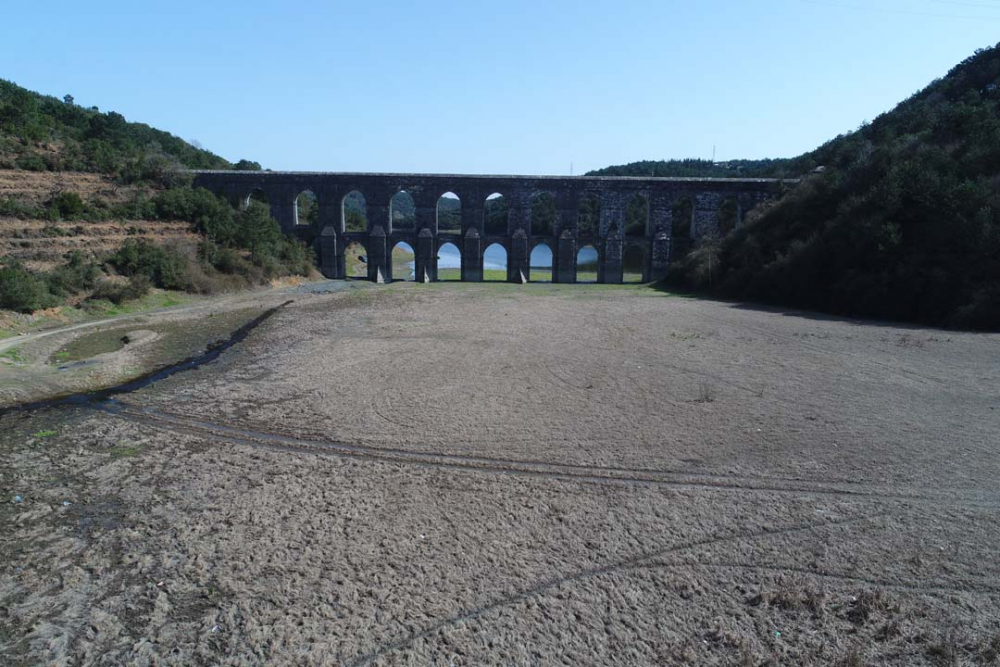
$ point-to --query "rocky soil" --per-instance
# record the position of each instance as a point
(503, 475)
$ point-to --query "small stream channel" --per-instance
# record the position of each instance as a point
(104, 398)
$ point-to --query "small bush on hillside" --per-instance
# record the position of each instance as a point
(296, 257)
(210, 215)
(120, 291)
(699, 268)
(153, 165)
(268, 265)
(75, 275)
(10, 207)
(31, 162)
(22, 290)
(65, 206)
(163, 267)
(227, 260)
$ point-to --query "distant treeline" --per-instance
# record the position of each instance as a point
(695, 168)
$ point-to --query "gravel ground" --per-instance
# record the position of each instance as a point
(503, 475)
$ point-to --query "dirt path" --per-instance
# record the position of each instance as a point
(54, 361)
(208, 304)
(503, 475)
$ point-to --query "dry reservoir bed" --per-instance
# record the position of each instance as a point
(502, 475)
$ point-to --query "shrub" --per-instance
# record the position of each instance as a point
(296, 257)
(119, 291)
(14, 209)
(30, 162)
(699, 268)
(23, 290)
(66, 206)
(232, 262)
(269, 266)
(210, 215)
(73, 276)
(163, 267)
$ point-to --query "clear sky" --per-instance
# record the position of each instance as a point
(503, 87)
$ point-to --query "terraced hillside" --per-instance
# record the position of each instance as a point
(42, 241)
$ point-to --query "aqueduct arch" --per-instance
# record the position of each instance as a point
(661, 217)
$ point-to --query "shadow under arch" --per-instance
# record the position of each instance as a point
(633, 263)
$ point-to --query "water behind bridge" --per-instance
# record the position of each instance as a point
(495, 257)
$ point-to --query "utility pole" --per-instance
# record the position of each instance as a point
(713, 153)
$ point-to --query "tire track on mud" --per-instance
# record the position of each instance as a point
(545, 585)
(529, 468)
(960, 587)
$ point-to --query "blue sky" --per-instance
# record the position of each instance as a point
(502, 87)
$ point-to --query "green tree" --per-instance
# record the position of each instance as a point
(22, 290)
(728, 215)
(258, 231)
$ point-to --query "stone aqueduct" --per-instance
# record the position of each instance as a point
(330, 238)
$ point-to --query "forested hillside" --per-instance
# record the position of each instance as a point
(903, 222)
(95, 208)
(42, 133)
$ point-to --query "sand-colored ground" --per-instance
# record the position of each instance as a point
(504, 475)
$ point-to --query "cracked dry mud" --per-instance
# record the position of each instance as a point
(499, 475)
